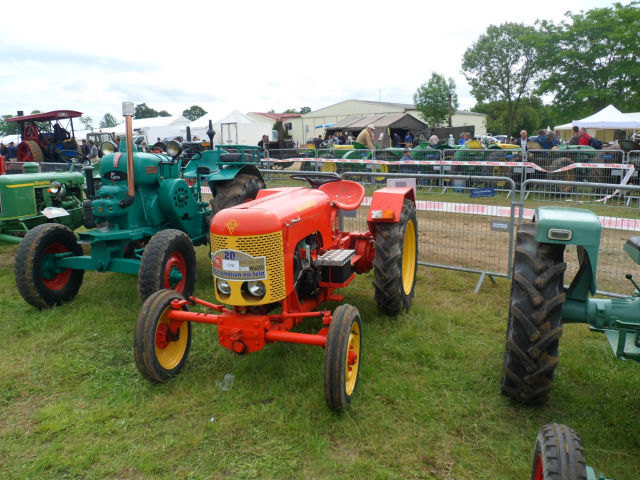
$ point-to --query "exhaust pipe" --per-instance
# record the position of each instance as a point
(127, 113)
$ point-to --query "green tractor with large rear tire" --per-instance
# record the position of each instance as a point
(540, 304)
(144, 220)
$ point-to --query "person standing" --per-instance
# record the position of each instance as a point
(365, 137)
(408, 140)
(585, 138)
(12, 151)
(524, 138)
(93, 152)
(575, 139)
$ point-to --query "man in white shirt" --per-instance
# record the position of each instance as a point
(523, 139)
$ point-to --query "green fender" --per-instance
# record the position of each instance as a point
(573, 226)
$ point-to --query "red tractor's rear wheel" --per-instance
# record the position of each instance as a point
(168, 261)
(40, 282)
(396, 261)
(159, 352)
(342, 357)
(29, 151)
(558, 454)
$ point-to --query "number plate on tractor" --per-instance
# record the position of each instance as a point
(234, 265)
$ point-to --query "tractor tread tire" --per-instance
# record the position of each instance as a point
(387, 263)
(560, 452)
(534, 322)
(144, 339)
(28, 263)
(155, 256)
(243, 187)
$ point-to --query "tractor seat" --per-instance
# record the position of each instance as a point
(344, 194)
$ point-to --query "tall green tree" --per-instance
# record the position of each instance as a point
(7, 128)
(432, 99)
(305, 109)
(108, 121)
(194, 112)
(501, 65)
(531, 115)
(87, 121)
(593, 60)
(143, 111)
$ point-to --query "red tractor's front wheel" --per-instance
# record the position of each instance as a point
(160, 348)
(168, 261)
(38, 278)
(342, 357)
(558, 454)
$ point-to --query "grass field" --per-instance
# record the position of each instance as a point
(428, 403)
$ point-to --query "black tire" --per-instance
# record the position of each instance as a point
(31, 278)
(535, 314)
(168, 251)
(396, 261)
(342, 357)
(558, 454)
(243, 187)
(158, 356)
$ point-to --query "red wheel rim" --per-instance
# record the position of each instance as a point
(176, 263)
(538, 474)
(59, 280)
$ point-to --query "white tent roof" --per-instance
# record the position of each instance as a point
(234, 117)
(608, 117)
(160, 121)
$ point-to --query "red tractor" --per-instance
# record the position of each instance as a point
(285, 249)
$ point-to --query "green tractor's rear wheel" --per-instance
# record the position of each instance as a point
(342, 357)
(534, 323)
(160, 354)
(233, 192)
(558, 454)
(39, 281)
(168, 261)
(396, 261)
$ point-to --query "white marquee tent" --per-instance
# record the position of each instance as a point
(235, 128)
(607, 118)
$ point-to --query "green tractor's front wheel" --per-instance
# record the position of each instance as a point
(342, 357)
(558, 454)
(159, 350)
(168, 261)
(40, 282)
(396, 261)
(534, 323)
(241, 188)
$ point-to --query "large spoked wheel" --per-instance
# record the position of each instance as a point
(29, 151)
(40, 282)
(396, 261)
(160, 350)
(168, 261)
(342, 357)
(558, 454)
(243, 187)
(534, 323)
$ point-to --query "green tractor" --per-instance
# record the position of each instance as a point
(144, 220)
(31, 198)
(540, 303)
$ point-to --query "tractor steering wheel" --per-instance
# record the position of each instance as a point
(318, 179)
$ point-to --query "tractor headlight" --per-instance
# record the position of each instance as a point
(108, 147)
(223, 287)
(255, 288)
(174, 148)
(56, 188)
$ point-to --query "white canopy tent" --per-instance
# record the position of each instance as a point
(235, 128)
(608, 117)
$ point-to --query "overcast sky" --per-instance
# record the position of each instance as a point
(237, 54)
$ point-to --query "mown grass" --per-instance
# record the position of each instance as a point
(427, 406)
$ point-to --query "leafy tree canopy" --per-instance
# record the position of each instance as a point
(432, 99)
(530, 116)
(194, 112)
(108, 121)
(592, 59)
(305, 110)
(87, 121)
(501, 65)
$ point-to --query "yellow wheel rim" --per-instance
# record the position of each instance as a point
(353, 359)
(500, 172)
(328, 167)
(170, 356)
(409, 258)
(381, 168)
